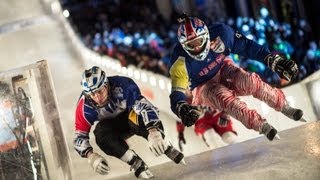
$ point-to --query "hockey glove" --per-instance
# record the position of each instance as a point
(98, 163)
(188, 114)
(157, 144)
(285, 68)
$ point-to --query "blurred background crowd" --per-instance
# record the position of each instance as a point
(142, 33)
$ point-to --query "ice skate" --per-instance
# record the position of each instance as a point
(141, 170)
(293, 113)
(269, 131)
(175, 155)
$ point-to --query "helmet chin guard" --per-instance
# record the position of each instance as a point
(194, 38)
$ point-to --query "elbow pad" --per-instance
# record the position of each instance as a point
(146, 110)
(81, 144)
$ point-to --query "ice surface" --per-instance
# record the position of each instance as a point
(295, 156)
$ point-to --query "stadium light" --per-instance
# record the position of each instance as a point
(144, 77)
(153, 81)
(66, 13)
(55, 7)
(137, 74)
(124, 70)
(130, 72)
(162, 84)
(169, 87)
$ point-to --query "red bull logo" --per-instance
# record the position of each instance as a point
(212, 65)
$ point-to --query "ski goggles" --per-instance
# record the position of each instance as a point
(192, 44)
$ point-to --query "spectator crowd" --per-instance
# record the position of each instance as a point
(135, 33)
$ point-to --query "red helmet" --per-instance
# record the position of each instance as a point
(194, 37)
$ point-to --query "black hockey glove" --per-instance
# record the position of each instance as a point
(285, 68)
(188, 114)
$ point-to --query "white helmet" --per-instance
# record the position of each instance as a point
(194, 37)
(93, 79)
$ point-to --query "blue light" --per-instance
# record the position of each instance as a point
(311, 54)
(153, 35)
(302, 23)
(264, 12)
(141, 41)
(127, 40)
(262, 22)
(258, 26)
(251, 22)
(172, 34)
(271, 22)
(245, 28)
(230, 21)
(250, 36)
(239, 21)
(136, 35)
(317, 53)
(261, 41)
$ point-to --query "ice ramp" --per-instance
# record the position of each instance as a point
(295, 156)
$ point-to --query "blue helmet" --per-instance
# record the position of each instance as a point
(93, 79)
(193, 31)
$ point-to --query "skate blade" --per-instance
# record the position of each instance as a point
(146, 175)
(303, 119)
(183, 162)
(277, 137)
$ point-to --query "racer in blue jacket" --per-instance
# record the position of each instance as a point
(115, 102)
(200, 62)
